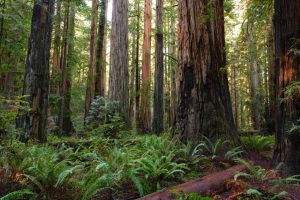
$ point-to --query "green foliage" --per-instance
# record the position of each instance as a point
(20, 194)
(9, 111)
(258, 142)
(255, 172)
(207, 147)
(288, 180)
(189, 196)
(104, 117)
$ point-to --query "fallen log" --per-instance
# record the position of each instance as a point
(212, 182)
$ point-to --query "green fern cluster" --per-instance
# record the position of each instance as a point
(258, 142)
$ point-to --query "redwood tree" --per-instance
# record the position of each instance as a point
(101, 51)
(65, 122)
(36, 80)
(118, 73)
(158, 109)
(287, 73)
(203, 99)
(145, 114)
(90, 90)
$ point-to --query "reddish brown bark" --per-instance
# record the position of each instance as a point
(212, 182)
(145, 115)
(54, 85)
(203, 99)
(118, 73)
(90, 90)
(101, 51)
(287, 71)
(158, 104)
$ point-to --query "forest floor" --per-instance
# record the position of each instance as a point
(132, 165)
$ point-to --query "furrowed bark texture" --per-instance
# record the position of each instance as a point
(118, 73)
(287, 71)
(90, 90)
(145, 114)
(101, 51)
(203, 99)
(36, 80)
(158, 109)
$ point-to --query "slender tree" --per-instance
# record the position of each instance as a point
(90, 90)
(158, 109)
(287, 73)
(203, 99)
(255, 82)
(101, 51)
(65, 122)
(118, 73)
(54, 86)
(36, 80)
(145, 114)
(137, 66)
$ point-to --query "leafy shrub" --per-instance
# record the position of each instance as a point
(9, 111)
(258, 142)
(103, 117)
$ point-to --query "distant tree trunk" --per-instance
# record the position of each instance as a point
(203, 99)
(256, 103)
(36, 80)
(145, 114)
(90, 87)
(137, 67)
(101, 51)
(158, 109)
(287, 71)
(271, 86)
(65, 122)
(118, 73)
(54, 85)
(173, 77)
(2, 29)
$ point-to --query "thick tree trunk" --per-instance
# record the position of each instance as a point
(203, 99)
(287, 71)
(158, 109)
(145, 114)
(65, 122)
(118, 73)
(101, 52)
(54, 85)
(36, 80)
(90, 87)
(256, 103)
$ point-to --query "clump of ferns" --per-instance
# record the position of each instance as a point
(216, 149)
(291, 93)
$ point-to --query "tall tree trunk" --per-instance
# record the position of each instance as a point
(101, 51)
(137, 68)
(65, 122)
(287, 71)
(36, 80)
(158, 109)
(203, 99)
(54, 84)
(256, 103)
(90, 87)
(118, 73)
(271, 86)
(173, 76)
(145, 114)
